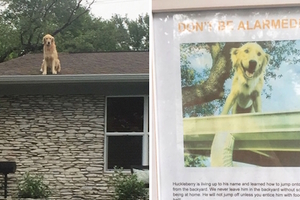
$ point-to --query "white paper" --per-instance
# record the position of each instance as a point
(178, 182)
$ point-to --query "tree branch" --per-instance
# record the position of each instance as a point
(70, 20)
(49, 7)
(213, 87)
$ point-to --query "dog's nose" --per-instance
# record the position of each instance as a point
(252, 66)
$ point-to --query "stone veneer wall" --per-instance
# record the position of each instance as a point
(60, 136)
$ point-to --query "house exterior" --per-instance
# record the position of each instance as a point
(76, 126)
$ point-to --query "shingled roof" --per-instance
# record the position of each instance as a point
(82, 63)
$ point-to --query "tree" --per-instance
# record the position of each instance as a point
(203, 93)
(120, 24)
(8, 40)
(192, 160)
(29, 20)
(132, 35)
(24, 23)
(89, 34)
(139, 33)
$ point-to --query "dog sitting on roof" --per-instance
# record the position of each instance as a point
(50, 60)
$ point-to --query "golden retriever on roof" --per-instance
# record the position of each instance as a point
(249, 62)
(50, 56)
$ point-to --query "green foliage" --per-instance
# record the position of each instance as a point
(24, 23)
(32, 186)
(127, 186)
(131, 34)
(191, 160)
(31, 20)
(139, 33)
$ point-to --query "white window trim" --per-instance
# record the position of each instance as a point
(145, 133)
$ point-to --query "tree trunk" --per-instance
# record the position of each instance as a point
(213, 87)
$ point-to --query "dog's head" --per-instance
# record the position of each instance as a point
(48, 40)
(250, 59)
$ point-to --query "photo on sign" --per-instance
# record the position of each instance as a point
(250, 92)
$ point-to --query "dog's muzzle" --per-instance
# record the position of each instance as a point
(249, 72)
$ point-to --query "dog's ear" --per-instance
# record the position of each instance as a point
(233, 53)
(43, 41)
(266, 60)
(52, 40)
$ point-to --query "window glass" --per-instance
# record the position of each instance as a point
(124, 151)
(125, 114)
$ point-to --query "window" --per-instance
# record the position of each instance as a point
(127, 134)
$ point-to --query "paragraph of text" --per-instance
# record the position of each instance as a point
(187, 190)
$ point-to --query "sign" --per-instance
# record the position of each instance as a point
(228, 103)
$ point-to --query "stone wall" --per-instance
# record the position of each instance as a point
(61, 137)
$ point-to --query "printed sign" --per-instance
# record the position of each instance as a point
(228, 103)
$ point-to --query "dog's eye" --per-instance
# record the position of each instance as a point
(246, 51)
(259, 54)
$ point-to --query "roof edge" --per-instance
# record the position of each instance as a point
(74, 78)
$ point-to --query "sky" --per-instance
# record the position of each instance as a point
(133, 8)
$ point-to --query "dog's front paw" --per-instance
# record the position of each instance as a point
(45, 72)
(54, 72)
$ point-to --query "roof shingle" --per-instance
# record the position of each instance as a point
(82, 63)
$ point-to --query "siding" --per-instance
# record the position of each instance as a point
(60, 136)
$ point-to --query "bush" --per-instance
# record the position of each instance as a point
(128, 187)
(32, 186)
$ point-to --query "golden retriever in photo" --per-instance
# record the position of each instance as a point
(50, 56)
(249, 62)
